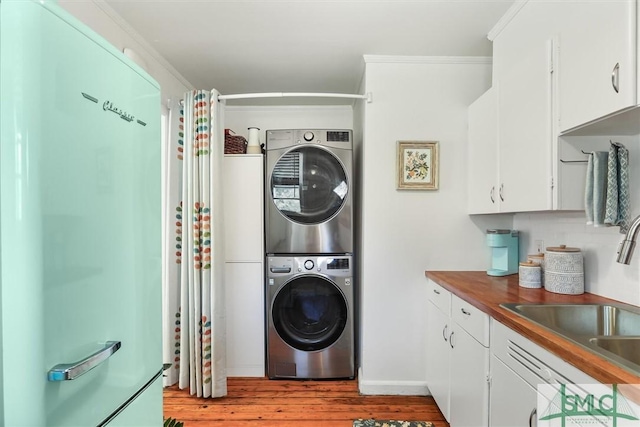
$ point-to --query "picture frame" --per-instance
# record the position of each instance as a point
(417, 165)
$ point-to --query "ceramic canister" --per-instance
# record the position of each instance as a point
(538, 258)
(564, 270)
(530, 275)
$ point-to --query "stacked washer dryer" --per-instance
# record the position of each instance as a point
(309, 244)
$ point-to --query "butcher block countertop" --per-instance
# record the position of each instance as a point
(487, 293)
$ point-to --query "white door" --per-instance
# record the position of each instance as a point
(513, 401)
(525, 133)
(482, 166)
(469, 385)
(438, 357)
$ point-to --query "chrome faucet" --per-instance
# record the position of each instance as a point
(625, 250)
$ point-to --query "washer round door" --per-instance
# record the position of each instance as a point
(309, 185)
(309, 313)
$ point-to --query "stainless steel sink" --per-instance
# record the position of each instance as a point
(582, 319)
(627, 348)
(609, 330)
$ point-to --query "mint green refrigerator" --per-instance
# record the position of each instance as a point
(80, 232)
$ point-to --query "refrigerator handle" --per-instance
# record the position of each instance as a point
(71, 371)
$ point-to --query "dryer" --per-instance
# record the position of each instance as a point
(310, 314)
(308, 192)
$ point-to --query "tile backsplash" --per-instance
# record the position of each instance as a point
(603, 275)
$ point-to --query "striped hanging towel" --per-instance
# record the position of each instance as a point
(617, 200)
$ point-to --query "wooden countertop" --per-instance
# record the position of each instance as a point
(487, 293)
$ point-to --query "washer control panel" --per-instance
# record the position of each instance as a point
(329, 265)
(339, 266)
(282, 138)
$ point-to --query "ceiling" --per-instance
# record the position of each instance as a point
(249, 46)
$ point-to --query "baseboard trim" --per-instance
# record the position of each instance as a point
(399, 388)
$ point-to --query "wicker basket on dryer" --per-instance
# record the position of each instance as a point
(234, 144)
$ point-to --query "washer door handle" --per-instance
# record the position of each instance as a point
(280, 269)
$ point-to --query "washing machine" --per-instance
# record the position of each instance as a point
(308, 191)
(310, 310)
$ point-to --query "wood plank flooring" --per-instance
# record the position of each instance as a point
(262, 402)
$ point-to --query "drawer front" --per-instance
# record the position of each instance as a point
(439, 296)
(472, 320)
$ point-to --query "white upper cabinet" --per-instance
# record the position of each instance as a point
(484, 179)
(598, 60)
(557, 66)
(524, 132)
(511, 125)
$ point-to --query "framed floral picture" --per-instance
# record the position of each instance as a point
(417, 165)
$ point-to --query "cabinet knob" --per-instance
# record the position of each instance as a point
(501, 191)
(491, 194)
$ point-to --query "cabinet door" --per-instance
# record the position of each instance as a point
(483, 154)
(513, 400)
(243, 208)
(595, 37)
(525, 133)
(245, 319)
(469, 384)
(438, 357)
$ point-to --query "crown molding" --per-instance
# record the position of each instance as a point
(148, 49)
(506, 18)
(392, 59)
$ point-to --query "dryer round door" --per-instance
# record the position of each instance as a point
(309, 313)
(309, 185)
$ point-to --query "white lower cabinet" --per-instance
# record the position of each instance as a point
(245, 319)
(469, 380)
(438, 357)
(513, 400)
(458, 358)
(476, 384)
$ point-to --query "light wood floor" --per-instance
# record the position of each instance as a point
(262, 402)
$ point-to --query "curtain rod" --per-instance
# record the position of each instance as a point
(368, 96)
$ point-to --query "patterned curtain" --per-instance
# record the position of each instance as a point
(193, 317)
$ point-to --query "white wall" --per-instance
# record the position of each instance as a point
(239, 118)
(104, 21)
(603, 275)
(405, 233)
